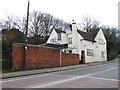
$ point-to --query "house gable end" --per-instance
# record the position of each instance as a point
(53, 35)
(100, 35)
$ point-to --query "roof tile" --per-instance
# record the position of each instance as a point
(88, 35)
(59, 31)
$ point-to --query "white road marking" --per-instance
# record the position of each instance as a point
(111, 68)
(88, 75)
(72, 79)
(48, 74)
(58, 82)
(101, 71)
(104, 78)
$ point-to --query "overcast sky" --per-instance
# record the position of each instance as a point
(106, 11)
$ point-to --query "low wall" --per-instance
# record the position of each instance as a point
(40, 56)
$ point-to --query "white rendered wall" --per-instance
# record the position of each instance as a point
(89, 45)
(64, 39)
(97, 48)
(52, 36)
(55, 35)
(78, 44)
(100, 47)
(68, 31)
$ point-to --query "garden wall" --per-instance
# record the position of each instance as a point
(37, 56)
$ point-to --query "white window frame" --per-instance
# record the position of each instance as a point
(69, 40)
(59, 37)
(90, 52)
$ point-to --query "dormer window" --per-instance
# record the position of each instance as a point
(59, 37)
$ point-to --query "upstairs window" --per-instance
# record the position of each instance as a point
(101, 42)
(90, 52)
(59, 37)
(69, 40)
(53, 40)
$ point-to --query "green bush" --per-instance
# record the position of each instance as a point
(113, 53)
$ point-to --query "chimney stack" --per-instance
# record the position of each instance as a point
(74, 26)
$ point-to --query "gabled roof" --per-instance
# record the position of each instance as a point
(90, 36)
(59, 31)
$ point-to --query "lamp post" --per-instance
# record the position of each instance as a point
(25, 47)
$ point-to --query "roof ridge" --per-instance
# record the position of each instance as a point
(60, 31)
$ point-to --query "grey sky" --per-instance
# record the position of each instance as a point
(106, 11)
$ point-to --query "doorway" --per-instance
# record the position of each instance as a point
(82, 57)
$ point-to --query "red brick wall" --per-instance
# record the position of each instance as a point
(40, 56)
(17, 55)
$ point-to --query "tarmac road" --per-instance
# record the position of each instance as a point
(98, 76)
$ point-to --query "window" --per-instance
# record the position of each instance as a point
(53, 40)
(69, 40)
(103, 54)
(101, 41)
(59, 37)
(89, 52)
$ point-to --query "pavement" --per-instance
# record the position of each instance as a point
(41, 71)
(93, 75)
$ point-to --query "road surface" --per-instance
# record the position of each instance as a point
(98, 76)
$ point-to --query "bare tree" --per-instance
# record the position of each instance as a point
(19, 23)
(7, 23)
(11, 22)
(60, 24)
(47, 23)
(22, 25)
(43, 23)
(36, 19)
(89, 23)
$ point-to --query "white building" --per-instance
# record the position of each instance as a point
(93, 44)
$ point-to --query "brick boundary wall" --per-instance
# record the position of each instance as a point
(37, 56)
